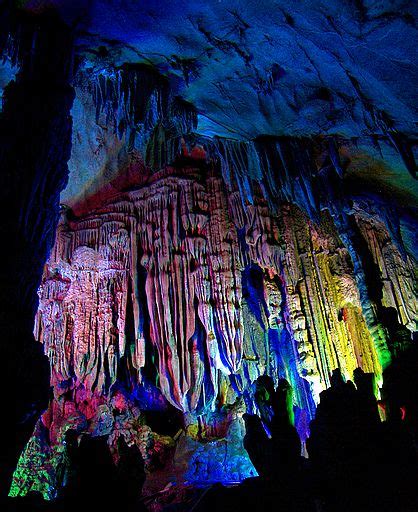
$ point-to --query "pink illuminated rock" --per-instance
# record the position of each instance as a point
(192, 239)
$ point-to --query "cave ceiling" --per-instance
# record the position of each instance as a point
(251, 69)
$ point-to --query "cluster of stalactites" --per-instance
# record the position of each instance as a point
(395, 266)
(187, 245)
(83, 297)
(138, 103)
(195, 242)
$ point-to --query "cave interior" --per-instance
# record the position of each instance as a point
(210, 231)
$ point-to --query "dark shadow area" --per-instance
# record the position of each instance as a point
(91, 480)
(356, 461)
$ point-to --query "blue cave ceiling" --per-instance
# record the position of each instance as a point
(266, 68)
(251, 69)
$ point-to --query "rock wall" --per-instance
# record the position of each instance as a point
(183, 290)
(175, 288)
(198, 244)
(35, 145)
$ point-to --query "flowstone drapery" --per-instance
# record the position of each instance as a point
(183, 290)
(198, 244)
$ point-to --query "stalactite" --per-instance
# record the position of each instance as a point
(222, 289)
(340, 207)
(281, 167)
(196, 241)
(138, 103)
(324, 284)
(396, 267)
(173, 254)
(82, 310)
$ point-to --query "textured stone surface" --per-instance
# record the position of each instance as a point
(197, 244)
(184, 276)
(271, 68)
(241, 204)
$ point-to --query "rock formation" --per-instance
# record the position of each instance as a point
(198, 257)
(194, 241)
(183, 274)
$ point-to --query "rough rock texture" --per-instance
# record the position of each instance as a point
(238, 70)
(44, 464)
(224, 289)
(270, 67)
(196, 244)
(184, 276)
(241, 204)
